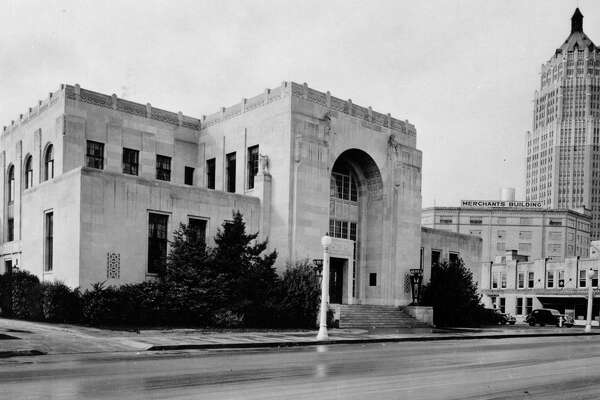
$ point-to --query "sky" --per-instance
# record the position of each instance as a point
(463, 72)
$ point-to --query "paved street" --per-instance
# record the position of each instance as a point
(528, 368)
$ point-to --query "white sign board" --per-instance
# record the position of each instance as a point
(501, 204)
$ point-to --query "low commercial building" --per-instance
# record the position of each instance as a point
(528, 227)
(438, 246)
(515, 285)
(94, 186)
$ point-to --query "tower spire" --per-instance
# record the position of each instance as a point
(577, 21)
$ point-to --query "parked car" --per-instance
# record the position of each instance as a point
(505, 318)
(548, 316)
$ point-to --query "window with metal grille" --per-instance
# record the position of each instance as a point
(189, 176)
(163, 168)
(95, 155)
(157, 242)
(252, 165)
(343, 186)
(49, 241)
(230, 171)
(130, 161)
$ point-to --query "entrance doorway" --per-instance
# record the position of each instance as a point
(336, 280)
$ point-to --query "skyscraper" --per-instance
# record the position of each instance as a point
(563, 153)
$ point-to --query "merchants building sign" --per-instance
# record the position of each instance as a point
(501, 204)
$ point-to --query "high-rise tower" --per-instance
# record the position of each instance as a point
(563, 153)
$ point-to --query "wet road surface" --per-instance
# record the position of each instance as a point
(523, 368)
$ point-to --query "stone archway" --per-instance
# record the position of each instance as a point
(355, 213)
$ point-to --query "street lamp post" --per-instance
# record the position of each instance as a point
(325, 243)
(588, 325)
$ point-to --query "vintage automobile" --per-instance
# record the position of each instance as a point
(505, 318)
(548, 316)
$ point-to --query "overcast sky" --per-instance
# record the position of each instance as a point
(464, 72)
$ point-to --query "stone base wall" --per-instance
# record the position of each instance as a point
(421, 313)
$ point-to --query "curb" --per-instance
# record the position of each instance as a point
(246, 345)
(21, 353)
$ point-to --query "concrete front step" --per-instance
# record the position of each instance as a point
(374, 316)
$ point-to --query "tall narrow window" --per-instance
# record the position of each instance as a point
(130, 161)
(189, 176)
(530, 280)
(230, 170)
(48, 241)
(453, 258)
(197, 227)
(550, 280)
(163, 168)
(519, 308)
(528, 305)
(157, 242)
(582, 278)
(11, 184)
(94, 157)
(210, 173)
(28, 172)
(11, 229)
(435, 258)
(252, 165)
(561, 278)
(521, 279)
(49, 163)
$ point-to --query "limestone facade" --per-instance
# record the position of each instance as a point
(295, 161)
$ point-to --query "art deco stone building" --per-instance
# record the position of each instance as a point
(94, 185)
(563, 149)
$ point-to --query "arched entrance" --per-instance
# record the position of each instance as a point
(355, 212)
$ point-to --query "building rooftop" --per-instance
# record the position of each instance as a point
(507, 209)
(577, 40)
(371, 119)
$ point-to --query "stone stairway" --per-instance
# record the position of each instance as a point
(374, 316)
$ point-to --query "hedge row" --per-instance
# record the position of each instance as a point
(293, 304)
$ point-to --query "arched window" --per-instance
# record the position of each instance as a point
(11, 184)
(28, 172)
(49, 163)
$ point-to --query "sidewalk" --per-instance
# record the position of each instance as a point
(18, 338)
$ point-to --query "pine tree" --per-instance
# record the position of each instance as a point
(251, 283)
(453, 295)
